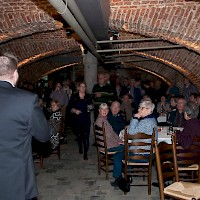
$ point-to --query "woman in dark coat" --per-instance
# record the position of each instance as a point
(80, 105)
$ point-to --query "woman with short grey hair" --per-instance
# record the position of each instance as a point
(191, 127)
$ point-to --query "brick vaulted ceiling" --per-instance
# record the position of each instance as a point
(30, 30)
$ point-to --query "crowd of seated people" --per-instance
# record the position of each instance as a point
(123, 96)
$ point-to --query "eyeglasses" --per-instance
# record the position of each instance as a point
(142, 108)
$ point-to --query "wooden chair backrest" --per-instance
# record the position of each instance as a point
(100, 138)
(166, 164)
(187, 156)
(138, 146)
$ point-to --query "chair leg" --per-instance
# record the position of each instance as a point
(106, 165)
(149, 181)
(41, 161)
(58, 151)
(99, 168)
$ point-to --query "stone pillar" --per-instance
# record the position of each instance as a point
(90, 77)
(90, 70)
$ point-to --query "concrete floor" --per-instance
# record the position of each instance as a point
(72, 178)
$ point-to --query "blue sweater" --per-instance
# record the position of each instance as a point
(144, 125)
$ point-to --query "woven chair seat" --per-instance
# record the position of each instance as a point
(183, 190)
(191, 167)
(109, 153)
(135, 163)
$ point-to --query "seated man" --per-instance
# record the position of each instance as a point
(176, 117)
(115, 118)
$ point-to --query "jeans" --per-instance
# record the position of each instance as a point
(118, 157)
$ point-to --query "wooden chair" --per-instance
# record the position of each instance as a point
(38, 159)
(188, 160)
(138, 156)
(168, 171)
(105, 158)
(57, 151)
(37, 152)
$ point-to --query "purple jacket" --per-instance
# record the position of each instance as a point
(190, 131)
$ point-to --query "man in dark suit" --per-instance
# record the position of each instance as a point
(20, 120)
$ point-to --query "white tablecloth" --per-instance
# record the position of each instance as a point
(163, 136)
(162, 118)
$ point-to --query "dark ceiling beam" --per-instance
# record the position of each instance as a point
(121, 55)
(126, 61)
(130, 40)
(140, 49)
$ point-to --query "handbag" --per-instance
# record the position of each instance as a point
(124, 184)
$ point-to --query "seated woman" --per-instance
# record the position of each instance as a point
(143, 121)
(55, 122)
(163, 106)
(113, 140)
(191, 127)
(114, 143)
(115, 118)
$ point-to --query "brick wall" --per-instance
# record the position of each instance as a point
(28, 30)
(174, 20)
(20, 18)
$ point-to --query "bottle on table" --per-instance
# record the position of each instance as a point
(170, 131)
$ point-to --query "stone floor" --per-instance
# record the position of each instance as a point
(72, 178)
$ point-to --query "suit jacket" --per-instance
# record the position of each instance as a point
(20, 119)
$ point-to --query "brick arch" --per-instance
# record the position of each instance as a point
(39, 57)
(192, 76)
(183, 60)
(22, 18)
(173, 21)
(149, 71)
(36, 70)
(40, 45)
(161, 70)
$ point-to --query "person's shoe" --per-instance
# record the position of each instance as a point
(94, 144)
(80, 151)
(130, 179)
(114, 183)
(85, 157)
(155, 184)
